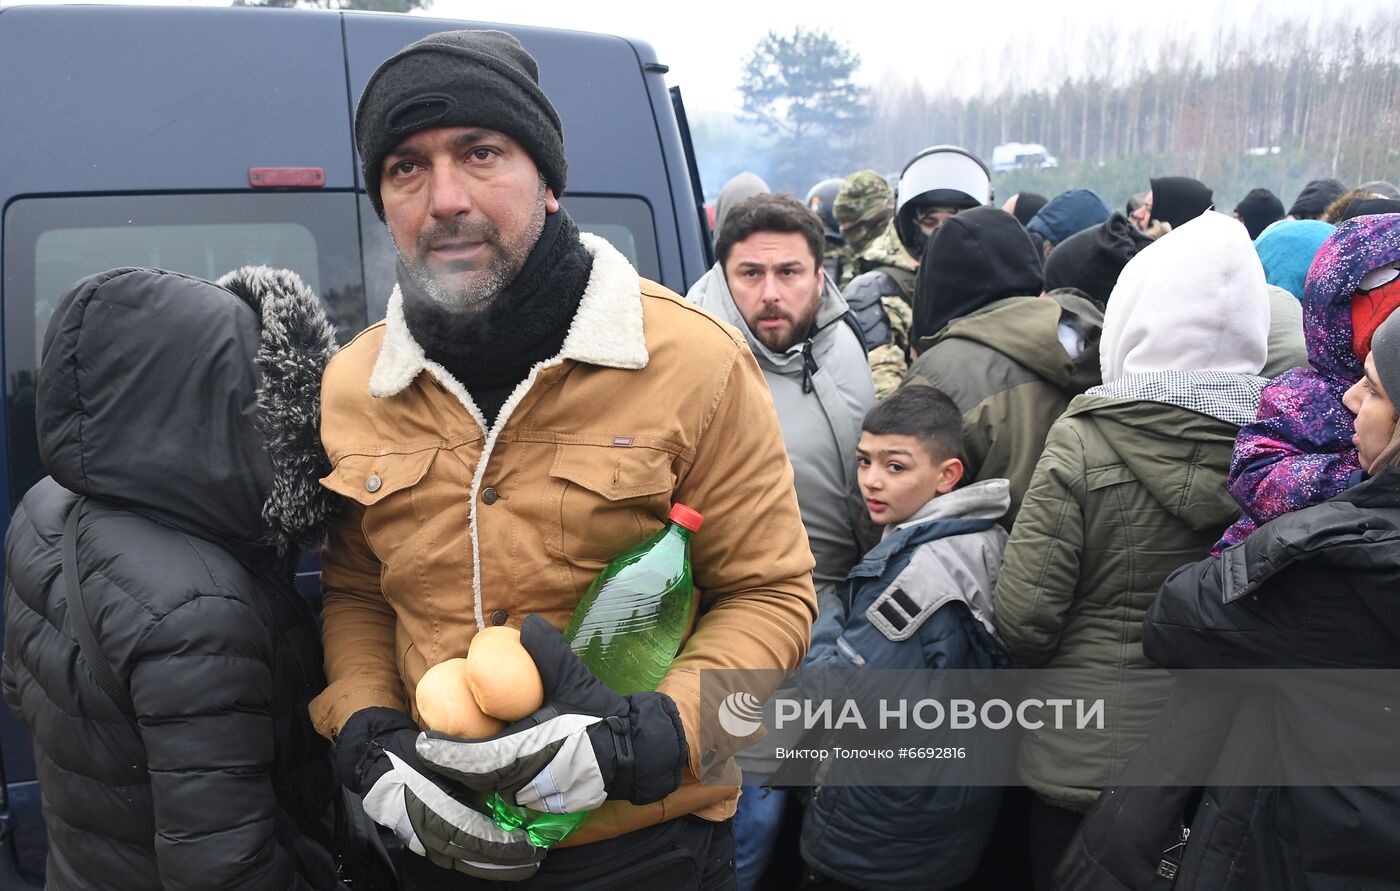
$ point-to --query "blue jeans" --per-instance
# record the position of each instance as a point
(756, 827)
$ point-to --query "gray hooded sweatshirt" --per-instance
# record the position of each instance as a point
(821, 427)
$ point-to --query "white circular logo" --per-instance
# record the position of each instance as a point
(741, 714)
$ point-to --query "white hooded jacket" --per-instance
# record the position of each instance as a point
(1189, 322)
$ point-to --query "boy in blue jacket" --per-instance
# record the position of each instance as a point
(921, 598)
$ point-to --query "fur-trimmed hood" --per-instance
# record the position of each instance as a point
(194, 404)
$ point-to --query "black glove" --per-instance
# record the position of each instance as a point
(584, 745)
(375, 758)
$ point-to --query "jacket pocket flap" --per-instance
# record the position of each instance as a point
(1103, 477)
(615, 473)
(370, 478)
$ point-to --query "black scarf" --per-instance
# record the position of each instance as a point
(490, 352)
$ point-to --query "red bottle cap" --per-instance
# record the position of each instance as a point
(686, 517)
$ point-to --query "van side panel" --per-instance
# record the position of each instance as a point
(153, 116)
(597, 84)
(103, 99)
(695, 241)
(207, 107)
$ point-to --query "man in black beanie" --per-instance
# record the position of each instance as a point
(529, 409)
(1010, 359)
(1258, 210)
(1090, 261)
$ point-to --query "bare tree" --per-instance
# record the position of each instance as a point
(1317, 100)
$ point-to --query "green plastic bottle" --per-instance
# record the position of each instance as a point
(627, 629)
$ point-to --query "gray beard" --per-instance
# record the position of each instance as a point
(490, 282)
(465, 299)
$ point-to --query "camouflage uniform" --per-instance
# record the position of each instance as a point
(887, 255)
(888, 363)
(863, 207)
(886, 271)
(887, 250)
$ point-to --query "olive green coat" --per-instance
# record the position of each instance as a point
(1005, 368)
(1127, 491)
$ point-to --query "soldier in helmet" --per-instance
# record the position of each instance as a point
(939, 182)
(836, 257)
(881, 292)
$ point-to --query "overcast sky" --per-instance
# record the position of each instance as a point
(948, 44)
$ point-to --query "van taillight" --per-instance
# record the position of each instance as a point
(286, 177)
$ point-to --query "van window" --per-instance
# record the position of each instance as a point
(626, 222)
(52, 243)
(207, 250)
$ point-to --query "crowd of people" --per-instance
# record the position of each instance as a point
(924, 432)
(1126, 394)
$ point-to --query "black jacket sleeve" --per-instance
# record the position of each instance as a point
(1189, 625)
(202, 687)
(1286, 596)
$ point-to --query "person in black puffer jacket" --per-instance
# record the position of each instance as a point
(180, 419)
(1278, 737)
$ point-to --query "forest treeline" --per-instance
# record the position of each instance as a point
(1275, 105)
(1271, 105)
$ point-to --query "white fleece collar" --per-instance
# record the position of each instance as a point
(606, 330)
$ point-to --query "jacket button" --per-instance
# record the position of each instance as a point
(489, 495)
(499, 617)
(373, 483)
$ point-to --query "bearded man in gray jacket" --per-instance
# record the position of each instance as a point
(769, 284)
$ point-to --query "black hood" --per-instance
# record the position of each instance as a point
(1092, 260)
(1258, 210)
(977, 257)
(1369, 207)
(1179, 199)
(1315, 197)
(1028, 204)
(191, 403)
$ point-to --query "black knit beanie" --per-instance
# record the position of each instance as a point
(1091, 260)
(1258, 209)
(977, 257)
(458, 79)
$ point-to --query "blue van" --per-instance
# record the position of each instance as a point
(201, 140)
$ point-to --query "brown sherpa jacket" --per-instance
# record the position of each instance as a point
(453, 526)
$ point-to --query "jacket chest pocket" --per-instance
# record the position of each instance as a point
(391, 488)
(608, 499)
